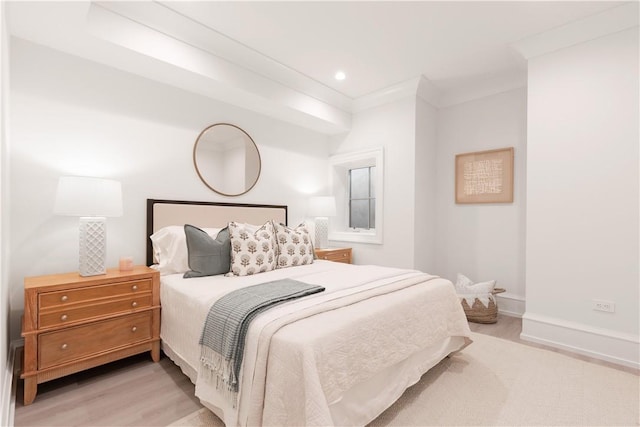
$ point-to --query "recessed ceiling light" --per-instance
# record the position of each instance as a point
(340, 75)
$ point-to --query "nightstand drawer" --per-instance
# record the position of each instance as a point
(335, 255)
(66, 345)
(74, 296)
(78, 312)
(72, 323)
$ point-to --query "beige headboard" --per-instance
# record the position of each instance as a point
(161, 213)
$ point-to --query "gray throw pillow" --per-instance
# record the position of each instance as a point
(207, 256)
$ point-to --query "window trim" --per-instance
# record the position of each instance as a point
(339, 166)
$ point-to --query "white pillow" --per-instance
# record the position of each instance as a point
(465, 286)
(170, 248)
(462, 282)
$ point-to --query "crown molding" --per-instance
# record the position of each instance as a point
(167, 18)
(387, 95)
(429, 92)
(493, 85)
(424, 89)
(610, 21)
(416, 87)
(192, 68)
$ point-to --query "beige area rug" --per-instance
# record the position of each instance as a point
(498, 382)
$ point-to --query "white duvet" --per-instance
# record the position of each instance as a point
(336, 358)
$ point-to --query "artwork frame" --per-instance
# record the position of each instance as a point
(484, 176)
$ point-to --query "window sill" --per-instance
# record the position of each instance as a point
(356, 237)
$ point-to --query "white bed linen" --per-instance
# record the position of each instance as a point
(318, 372)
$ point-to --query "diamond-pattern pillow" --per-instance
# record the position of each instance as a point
(294, 246)
(252, 251)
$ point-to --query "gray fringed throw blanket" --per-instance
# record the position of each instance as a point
(227, 323)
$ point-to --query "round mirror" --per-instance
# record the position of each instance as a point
(226, 159)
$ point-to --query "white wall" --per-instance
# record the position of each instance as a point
(5, 377)
(422, 222)
(425, 187)
(582, 206)
(392, 127)
(483, 241)
(70, 116)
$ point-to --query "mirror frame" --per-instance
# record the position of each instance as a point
(195, 161)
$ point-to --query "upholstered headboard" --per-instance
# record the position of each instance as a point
(162, 213)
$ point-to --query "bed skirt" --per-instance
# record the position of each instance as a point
(365, 401)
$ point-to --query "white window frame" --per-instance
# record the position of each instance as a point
(339, 166)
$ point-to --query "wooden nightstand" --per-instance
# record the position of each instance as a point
(72, 323)
(335, 254)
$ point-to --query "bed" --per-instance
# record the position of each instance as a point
(340, 357)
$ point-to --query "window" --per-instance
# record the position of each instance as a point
(357, 183)
(362, 199)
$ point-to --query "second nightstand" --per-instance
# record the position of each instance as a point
(335, 254)
(72, 323)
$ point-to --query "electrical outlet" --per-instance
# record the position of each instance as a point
(601, 305)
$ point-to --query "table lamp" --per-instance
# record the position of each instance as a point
(92, 199)
(322, 207)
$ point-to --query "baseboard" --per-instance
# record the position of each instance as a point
(8, 391)
(510, 305)
(612, 346)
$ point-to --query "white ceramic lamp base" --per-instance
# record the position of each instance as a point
(322, 232)
(93, 246)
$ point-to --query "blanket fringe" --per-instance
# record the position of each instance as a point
(220, 370)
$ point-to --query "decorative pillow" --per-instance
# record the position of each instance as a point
(207, 256)
(462, 282)
(170, 248)
(294, 246)
(465, 286)
(252, 252)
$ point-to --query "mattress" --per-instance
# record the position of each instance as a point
(336, 358)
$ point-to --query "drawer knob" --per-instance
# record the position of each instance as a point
(134, 304)
(135, 328)
(324, 257)
(344, 255)
(64, 346)
(64, 317)
(64, 298)
(134, 287)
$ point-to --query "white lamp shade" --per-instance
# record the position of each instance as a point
(86, 196)
(322, 206)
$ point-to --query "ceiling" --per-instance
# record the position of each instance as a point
(379, 44)
(255, 53)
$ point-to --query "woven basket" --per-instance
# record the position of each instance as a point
(478, 313)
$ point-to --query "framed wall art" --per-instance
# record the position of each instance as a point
(485, 176)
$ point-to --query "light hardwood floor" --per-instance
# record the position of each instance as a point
(137, 392)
